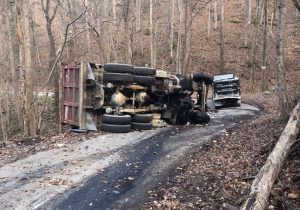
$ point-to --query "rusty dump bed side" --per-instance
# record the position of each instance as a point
(70, 94)
(76, 101)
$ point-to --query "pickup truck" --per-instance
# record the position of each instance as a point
(120, 97)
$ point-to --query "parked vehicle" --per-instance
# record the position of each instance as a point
(121, 97)
(226, 90)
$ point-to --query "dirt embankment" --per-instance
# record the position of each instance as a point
(219, 175)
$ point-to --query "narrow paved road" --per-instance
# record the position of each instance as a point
(112, 171)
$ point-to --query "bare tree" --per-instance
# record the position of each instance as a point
(282, 97)
(188, 21)
(128, 34)
(152, 35)
(25, 37)
(50, 16)
(208, 21)
(247, 20)
(138, 15)
(297, 4)
(216, 14)
(254, 44)
(172, 28)
(264, 83)
(222, 44)
(14, 57)
(66, 39)
(179, 48)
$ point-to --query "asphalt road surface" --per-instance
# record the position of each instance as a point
(112, 171)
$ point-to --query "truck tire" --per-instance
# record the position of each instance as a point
(202, 77)
(118, 68)
(142, 118)
(117, 77)
(143, 80)
(198, 117)
(178, 117)
(185, 82)
(116, 128)
(116, 119)
(141, 126)
(144, 71)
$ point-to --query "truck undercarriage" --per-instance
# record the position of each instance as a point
(121, 97)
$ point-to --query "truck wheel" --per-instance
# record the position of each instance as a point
(142, 118)
(144, 71)
(237, 103)
(118, 68)
(117, 77)
(141, 126)
(202, 77)
(199, 117)
(116, 128)
(143, 80)
(174, 120)
(116, 119)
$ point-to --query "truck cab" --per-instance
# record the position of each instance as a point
(226, 90)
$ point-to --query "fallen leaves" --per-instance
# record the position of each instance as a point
(217, 173)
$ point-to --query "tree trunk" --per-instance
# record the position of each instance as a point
(3, 122)
(274, 13)
(26, 67)
(88, 35)
(179, 47)
(100, 36)
(297, 4)
(172, 28)
(282, 97)
(254, 44)
(216, 14)
(13, 58)
(264, 80)
(52, 53)
(187, 37)
(208, 21)
(128, 48)
(268, 174)
(152, 36)
(73, 30)
(106, 31)
(138, 15)
(247, 20)
(222, 44)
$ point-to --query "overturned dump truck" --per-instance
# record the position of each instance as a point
(120, 98)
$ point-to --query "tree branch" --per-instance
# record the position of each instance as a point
(297, 4)
(60, 51)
